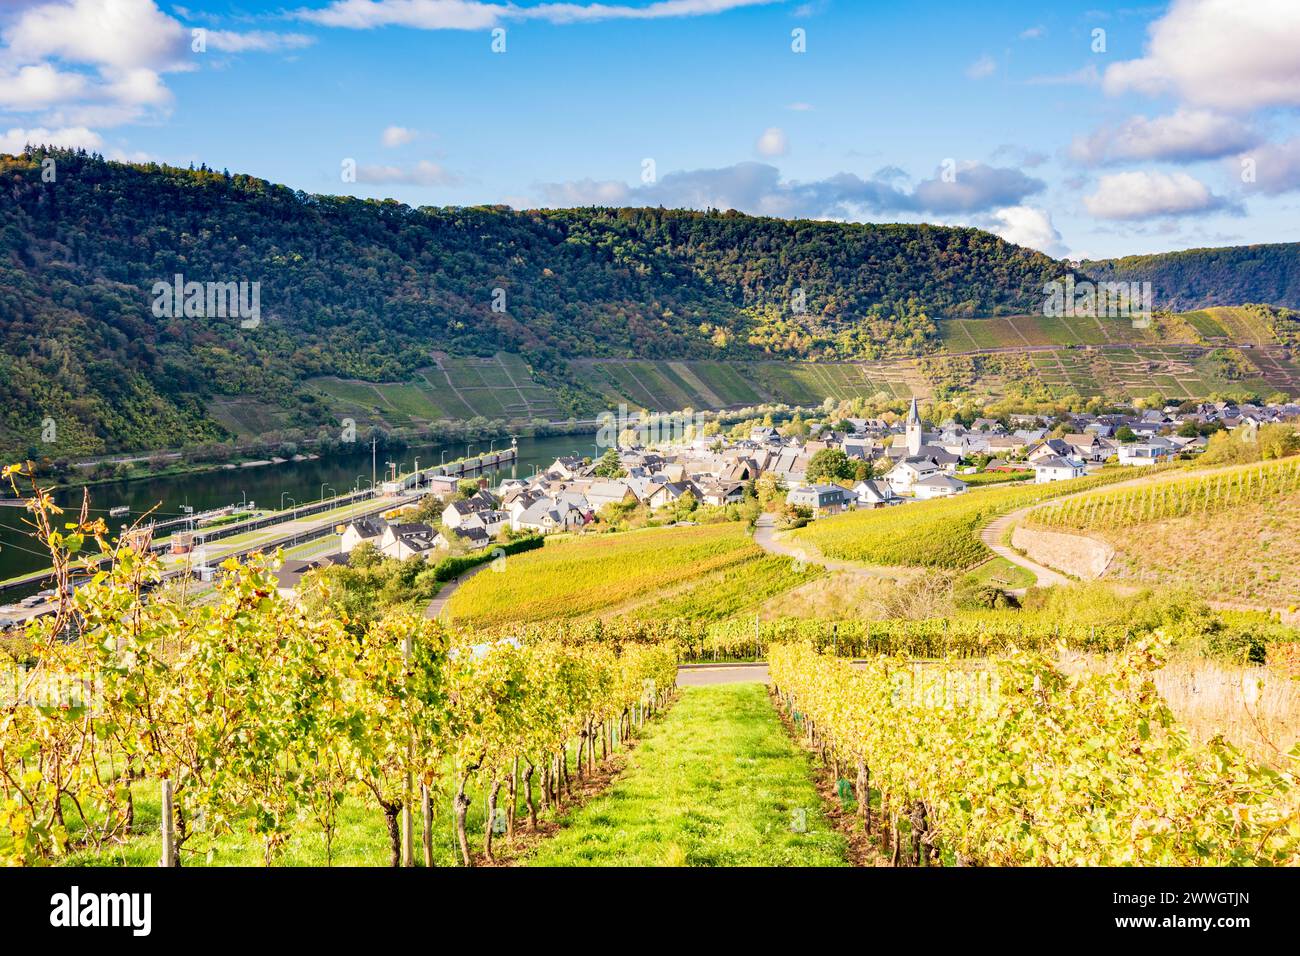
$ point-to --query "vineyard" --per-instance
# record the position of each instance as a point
(731, 591)
(591, 574)
(1201, 494)
(943, 533)
(256, 721)
(1013, 764)
(249, 729)
(1232, 636)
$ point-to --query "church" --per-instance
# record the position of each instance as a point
(916, 461)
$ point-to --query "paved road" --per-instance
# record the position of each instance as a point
(992, 536)
(992, 533)
(439, 603)
(702, 675)
(765, 538)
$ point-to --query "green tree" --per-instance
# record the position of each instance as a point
(609, 466)
(830, 464)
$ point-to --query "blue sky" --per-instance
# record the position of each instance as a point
(1017, 117)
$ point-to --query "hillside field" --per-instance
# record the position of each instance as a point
(710, 571)
(1230, 533)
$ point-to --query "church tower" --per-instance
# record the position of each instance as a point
(913, 430)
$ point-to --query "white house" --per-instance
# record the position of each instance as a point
(489, 522)
(1087, 446)
(454, 515)
(401, 541)
(909, 471)
(1145, 452)
(875, 494)
(362, 530)
(937, 486)
(549, 516)
(1056, 468)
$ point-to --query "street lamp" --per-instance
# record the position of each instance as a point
(283, 495)
(444, 457)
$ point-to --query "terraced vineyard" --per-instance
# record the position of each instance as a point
(1192, 355)
(1232, 534)
(1176, 371)
(1018, 331)
(667, 386)
(1230, 325)
(453, 388)
(1205, 493)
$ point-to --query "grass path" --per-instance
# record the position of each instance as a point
(715, 782)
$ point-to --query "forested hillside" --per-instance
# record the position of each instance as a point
(356, 292)
(367, 290)
(1197, 278)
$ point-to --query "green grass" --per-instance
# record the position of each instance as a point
(999, 572)
(715, 782)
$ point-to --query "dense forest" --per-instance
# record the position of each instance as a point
(1196, 278)
(368, 290)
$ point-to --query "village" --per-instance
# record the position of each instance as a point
(858, 463)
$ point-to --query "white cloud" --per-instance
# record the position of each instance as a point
(1223, 54)
(1275, 166)
(772, 142)
(587, 192)
(394, 136)
(983, 67)
(257, 41)
(1138, 195)
(974, 187)
(801, 107)
(471, 15)
(79, 137)
(758, 188)
(423, 173)
(1027, 226)
(124, 34)
(140, 86)
(1186, 135)
(1033, 33)
(103, 61)
(38, 87)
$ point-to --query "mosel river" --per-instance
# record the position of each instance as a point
(270, 486)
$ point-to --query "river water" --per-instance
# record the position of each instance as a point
(267, 485)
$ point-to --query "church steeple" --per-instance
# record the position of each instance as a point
(913, 429)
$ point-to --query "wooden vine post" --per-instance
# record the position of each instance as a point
(168, 814)
(408, 793)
